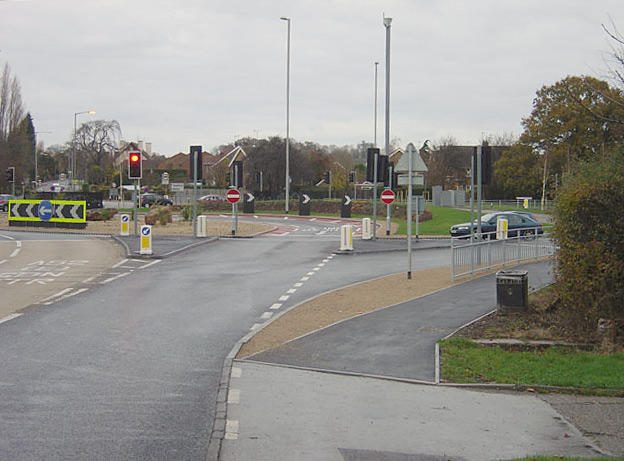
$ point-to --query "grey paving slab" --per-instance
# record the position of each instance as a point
(398, 341)
(286, 414)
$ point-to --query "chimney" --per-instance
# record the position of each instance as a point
(148, 148)
(140, 144)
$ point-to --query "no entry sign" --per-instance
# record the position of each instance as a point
(233, 196)
(387, 197)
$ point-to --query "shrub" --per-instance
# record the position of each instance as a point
(589, 224)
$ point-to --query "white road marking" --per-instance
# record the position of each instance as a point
(231, 429)
(10, 317)
(69, 295)
(298, 284)
(118, 276)
(305, 279)
(292, 290)
(276, 306)
(120, 263)
(284, 298)
(266, 315)
(236, 372)
(255, 326)
(156, 261)
(310, 273)
(17, 250)
(90, 279)
(234, 396)
(57, 295)
(3, 261)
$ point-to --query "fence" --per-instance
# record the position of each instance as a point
(488, 253)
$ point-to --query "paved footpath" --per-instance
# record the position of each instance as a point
(281, 408)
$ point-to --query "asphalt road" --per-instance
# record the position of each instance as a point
(129, 367)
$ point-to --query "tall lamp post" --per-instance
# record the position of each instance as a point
(287, 115)
(73, 159)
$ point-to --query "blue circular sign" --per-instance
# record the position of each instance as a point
(145, 231)
(45, 210)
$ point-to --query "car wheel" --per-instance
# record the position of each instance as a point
(528, 234)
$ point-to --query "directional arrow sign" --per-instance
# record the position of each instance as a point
(306, 198)
(250, 197)
(347, 201)
(387, 197)
(233, 196)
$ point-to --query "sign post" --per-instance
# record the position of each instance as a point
(233, 196)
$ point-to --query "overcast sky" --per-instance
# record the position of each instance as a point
(182, 72)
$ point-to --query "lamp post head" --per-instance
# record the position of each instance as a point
(284, 18)
(387, 21)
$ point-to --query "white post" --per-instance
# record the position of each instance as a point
(346, 238)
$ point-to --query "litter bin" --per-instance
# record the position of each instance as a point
(512, 291)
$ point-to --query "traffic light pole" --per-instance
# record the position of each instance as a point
(135, 213)
(375, 195)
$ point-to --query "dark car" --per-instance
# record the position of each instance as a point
(4, 201)
(148, 200)
(518, 223)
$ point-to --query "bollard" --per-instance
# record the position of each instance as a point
(146, 240)
(125, 225)
(366, 229)
(201, 226)
(501, 229)
(346, 238)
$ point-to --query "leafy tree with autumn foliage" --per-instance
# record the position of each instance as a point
(577, 118)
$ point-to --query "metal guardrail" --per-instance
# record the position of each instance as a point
(488, 252)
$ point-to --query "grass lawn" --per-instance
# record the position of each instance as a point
(464, 361)
(443, 219)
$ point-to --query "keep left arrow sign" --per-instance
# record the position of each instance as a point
(250, 197)
(347, 200)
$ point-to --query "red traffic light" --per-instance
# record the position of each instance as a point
(134, 165)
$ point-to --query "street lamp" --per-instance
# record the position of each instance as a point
(73, 162)
(287, 115)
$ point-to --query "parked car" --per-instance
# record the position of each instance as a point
(147, 200)
(212, 198)
(518, 223)
(4, 201)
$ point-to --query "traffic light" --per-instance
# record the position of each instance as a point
(10, 174)
(237, 170)
(370, 164)
(351, 176)
(327, 177)
(196, 152)
(135, 170)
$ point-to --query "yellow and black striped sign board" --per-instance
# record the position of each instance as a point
(48, 211)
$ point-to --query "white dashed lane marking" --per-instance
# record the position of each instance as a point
(275, 306)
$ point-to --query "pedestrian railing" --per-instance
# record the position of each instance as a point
(485, 253)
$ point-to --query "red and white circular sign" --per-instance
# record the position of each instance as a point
(387, 197)
(233, 196)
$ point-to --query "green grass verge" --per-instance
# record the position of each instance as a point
(464, 361)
